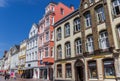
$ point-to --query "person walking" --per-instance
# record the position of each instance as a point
(5, 75)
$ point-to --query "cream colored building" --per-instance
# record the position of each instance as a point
(88, 49)
(22, 56)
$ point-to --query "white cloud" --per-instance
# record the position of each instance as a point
(3, 3)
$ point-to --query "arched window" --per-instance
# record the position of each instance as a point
(59, 52)
(78, 46)
(76, 24)
(89, 44)
(87, 19)
(116, 7)
(68, 49)
(103, 40)
(100, 13)
(59, 33)
(67, 29)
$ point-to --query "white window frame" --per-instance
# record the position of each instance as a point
(103, 40)
(46, 51)
(59, 52)
(78, 46)
(118, 29)
(115, 4)
(59, 34)
(88, 20)
(100, 14)
(67, 29)
(47, 36)
(68, 49)
(89, 44)
(76, 25)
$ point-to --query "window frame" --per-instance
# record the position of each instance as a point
(78, 46)
(77, 26)
(67, 49)
(67, 29)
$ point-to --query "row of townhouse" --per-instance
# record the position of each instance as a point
(34, 57)
(68, 45)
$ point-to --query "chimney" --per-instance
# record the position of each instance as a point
(72, 7)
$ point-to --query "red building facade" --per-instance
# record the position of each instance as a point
(53, 13)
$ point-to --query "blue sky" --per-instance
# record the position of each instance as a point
(17, 17)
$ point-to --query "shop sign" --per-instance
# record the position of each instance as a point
(63, 62)
(99, 56)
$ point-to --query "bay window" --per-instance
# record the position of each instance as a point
(46, 52)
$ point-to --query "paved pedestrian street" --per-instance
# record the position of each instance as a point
(19, 79)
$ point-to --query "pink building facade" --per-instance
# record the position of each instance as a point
(53, 13)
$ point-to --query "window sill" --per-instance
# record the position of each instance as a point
(67, 36)
(93, 79)
(88, 27)
(101, 22)
(116, 16)
(75, 32)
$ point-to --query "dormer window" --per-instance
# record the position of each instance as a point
(62, 11)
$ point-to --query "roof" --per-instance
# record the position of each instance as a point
(66, 18)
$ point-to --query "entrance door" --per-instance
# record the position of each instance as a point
(79, 73)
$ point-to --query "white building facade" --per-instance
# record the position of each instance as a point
(32, 53)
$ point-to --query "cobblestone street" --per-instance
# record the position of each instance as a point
(19, 79)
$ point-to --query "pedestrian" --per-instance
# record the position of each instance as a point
(5, 75)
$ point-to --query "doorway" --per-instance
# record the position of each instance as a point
(79, 71)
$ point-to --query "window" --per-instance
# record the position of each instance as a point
(32, 56)
(103, 41)
(36, 55)
(59, 71)
(89, 44)
(59, 36)
(100, 14)
(118, 29)
(47, 22)
(87, 20)
(91, 1)
(47, 36)
(77, 25)
(109, 70)
(68, 49)
(52, 20)
(67, 29)
(62, 11)
(52, 8)
(92, 69)
(46, 52)
(116, 7)
(78, 46)
(68, 71)
(59, 52)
